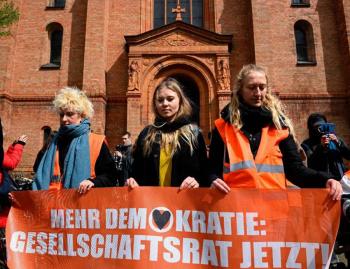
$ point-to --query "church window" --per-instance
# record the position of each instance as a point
(55, 38)
(56, 4)
(46, 133)
(300, 3)
(304, 42)
(56, 46)
(301, 44)
(191, 12)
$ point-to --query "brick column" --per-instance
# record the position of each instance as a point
(346, 5)
(343, 24)
(94, 82)
(95, 47)
(346, 10)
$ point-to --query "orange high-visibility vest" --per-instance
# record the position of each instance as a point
(243, 171)
(95, 143)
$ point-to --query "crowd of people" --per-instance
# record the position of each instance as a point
(253, 145)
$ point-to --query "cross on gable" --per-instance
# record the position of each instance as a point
(178, 10)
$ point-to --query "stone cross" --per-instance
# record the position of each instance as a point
(178, 10)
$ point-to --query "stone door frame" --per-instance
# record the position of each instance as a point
(181, 48)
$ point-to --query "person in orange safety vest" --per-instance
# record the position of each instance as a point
(253, 143)
(75, 158)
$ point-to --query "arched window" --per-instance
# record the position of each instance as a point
(304, 42)
(55, 34)
(192, 12)
(46, 133)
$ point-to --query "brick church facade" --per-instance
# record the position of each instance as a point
(119, 50)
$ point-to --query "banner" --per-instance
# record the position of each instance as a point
(153, 227)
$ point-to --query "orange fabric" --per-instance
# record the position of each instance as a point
(347, 173)
(95, 142)
(55, 186)
(265, 171)
(153, 227)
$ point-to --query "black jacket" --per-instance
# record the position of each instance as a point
(126, 164)
(321, 158)
(294, 169)
(146, 168)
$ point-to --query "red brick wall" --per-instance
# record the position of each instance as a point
(235, 17)
(124, 19)
(343, 22)
(275, 49)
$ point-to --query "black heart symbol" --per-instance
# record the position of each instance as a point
(161, 218)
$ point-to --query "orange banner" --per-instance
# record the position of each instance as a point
(152, 227)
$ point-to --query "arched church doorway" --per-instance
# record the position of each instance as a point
(192, 92)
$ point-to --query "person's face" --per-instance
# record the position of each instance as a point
(167, 103)
(68, 117)
(254, 89)
(126, 140)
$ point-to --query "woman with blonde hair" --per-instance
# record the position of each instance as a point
(253, 143)
(75, 158)
(171, 151)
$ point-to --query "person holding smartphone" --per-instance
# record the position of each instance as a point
(325, 151)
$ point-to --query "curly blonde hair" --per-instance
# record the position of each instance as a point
(171, 141)
(73, 99)
(270, 102)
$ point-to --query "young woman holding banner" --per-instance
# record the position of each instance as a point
(253, 142)
(171, 151)
(76, 158)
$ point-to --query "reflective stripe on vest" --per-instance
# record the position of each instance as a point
(250, 164)
(238, 166)
(95, 143)
(277, 169)
(265, 171)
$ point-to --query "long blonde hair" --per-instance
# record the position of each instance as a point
(171, 140)
(270, 102)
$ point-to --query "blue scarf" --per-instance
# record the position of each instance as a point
(76, 163)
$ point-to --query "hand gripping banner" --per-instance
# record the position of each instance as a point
(153, 227)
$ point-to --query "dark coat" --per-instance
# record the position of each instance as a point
(146, 168)
(323, 159)
(126, 164)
